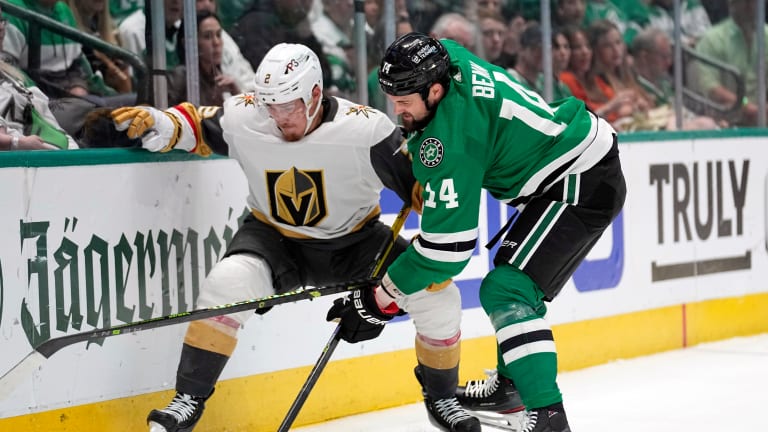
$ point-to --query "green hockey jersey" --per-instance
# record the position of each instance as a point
(488, 132)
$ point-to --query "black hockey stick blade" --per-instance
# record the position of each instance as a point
(22, 370)
(333, 342)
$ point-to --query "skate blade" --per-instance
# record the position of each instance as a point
(154, 427)
(513, 422)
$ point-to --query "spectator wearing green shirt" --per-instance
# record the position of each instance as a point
(598, 10)
(120, 9)
(63, 70)
(528, 70)
(652, 53)
(131, 31)
(732, 41)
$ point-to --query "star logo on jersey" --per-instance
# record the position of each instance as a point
(360, 110)
(431, 152)
(297, 197)
(247, 99)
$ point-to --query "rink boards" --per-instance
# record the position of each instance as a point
(97, 238)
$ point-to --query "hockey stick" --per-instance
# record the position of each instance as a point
(333, 342)
(22, 370)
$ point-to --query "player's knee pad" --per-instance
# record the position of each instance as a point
(235, 278)
(422, 307)
(507, 285)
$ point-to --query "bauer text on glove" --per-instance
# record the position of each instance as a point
(361, 318)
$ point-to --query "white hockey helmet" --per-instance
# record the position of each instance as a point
(288, 72)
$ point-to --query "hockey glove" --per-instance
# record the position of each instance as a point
(157, 129)
(177, 127)
(361, 318)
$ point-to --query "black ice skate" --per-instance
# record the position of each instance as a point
(547, 419)
(180, 415)
(495, 393)
(494, 401)
(448, 415)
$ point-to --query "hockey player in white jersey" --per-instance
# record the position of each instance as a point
(315, 168)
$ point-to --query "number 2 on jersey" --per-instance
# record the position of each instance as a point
(447, 194)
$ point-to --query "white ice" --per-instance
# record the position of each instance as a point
(714, 387)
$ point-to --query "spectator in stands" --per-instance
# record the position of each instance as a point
(580, 62)
(373, 10)
(93, 17)
(529, 68)
(652, 52)
(612, 91)
(694, 19)
(120, 9)
(732, 41)
(131, 32)
(269, 22)
(511, 44)
(375, 21)
(63, 70)
(11, 139)
(456, 27)
(561, 56)
(473, 9)
(424, 14)
(215, 86)
(493, 29)
(229, 11)
(598, 10)
(333, 27)
(529, 60)
(233, 63)
(376, 49)
(4, 56)
(717, 10)
(569, 13)
(26, 122)
(491, 6)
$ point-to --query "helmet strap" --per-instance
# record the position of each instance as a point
(311, 117)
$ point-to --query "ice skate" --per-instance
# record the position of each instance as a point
(180, 415)
(547, 419)
(494, 401)
(495, 393)
(448, 415)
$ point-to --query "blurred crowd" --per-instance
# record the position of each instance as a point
(616, 55)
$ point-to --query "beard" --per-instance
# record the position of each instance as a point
(414, 125)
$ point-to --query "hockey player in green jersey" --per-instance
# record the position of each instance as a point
(315, 167)
(472, 127)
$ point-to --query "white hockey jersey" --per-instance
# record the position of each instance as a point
(323, 186)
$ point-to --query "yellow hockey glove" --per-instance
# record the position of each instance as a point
(158, 130)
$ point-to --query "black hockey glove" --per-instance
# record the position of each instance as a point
(361, 318)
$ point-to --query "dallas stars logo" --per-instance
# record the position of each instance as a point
(360, 110)
(431, 152)
(247, 99)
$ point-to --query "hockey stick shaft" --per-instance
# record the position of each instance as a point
(333, 342)
(21, 370)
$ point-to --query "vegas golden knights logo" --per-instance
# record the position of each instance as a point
(297, 197)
